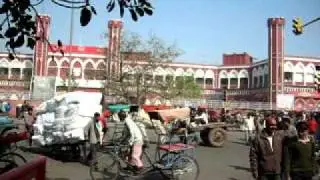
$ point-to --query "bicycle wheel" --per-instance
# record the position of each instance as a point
(106, 168)
(168, 158)
(7, 165)
(15, 157)
(11, 160)
(183, 167)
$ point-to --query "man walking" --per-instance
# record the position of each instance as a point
(93, 136)
(266, 152)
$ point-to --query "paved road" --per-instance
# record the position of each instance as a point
(227, 163)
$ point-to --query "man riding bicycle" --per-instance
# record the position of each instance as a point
(132, 136)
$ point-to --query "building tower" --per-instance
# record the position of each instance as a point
(113, 61)
(276, 57)
(41, 46)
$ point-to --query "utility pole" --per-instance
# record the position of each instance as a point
(70, 49)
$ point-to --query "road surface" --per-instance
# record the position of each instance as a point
(227, 163)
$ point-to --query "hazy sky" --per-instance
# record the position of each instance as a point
(204, 29)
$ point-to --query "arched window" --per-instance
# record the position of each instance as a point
(233, 76)
(288, 72)
(77, 69)
(199, 76)
(299, 72)
(4, 69)
(15, 68)
(53, 68)
(310, 71)
(223, 76)
(101, 71)
(64, 69)
(89, 71)
(209, 77)
(244, 79)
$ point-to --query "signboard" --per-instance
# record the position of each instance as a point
(44, 88)
(285, 101)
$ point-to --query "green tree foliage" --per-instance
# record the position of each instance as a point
(144, 56)
(18, 18)
(181, 87)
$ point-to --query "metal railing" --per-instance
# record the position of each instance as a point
(217, 104)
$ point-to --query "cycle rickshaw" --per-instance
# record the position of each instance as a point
(172, 160)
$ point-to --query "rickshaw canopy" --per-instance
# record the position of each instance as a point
(168, 115)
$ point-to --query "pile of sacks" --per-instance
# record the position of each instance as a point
(64, 118)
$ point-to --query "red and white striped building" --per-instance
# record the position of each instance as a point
(243, 78)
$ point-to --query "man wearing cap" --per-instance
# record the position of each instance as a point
(266, 152)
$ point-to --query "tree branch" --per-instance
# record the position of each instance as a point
(20, 15)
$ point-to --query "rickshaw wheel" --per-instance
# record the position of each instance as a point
(217, 137)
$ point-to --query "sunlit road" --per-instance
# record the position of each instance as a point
(227, 163)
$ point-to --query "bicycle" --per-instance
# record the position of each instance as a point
(172, 164)
(9, 159)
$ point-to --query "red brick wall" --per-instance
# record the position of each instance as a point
(236, 59)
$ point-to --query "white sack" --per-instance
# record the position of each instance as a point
(78, 122)
(72, 110)
(38, 140)
(48, 117)
(60, 111)
(63, 118)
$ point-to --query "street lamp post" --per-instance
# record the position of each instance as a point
(70, 48)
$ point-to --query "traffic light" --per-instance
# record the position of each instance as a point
(297, 26)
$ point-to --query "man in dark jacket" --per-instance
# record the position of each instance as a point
(266, 152)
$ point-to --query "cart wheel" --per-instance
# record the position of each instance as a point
(217, 137)
(204, 136)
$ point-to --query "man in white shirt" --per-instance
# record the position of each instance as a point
(135, 140)
(140, 122)
(201, 116)
(249, 128)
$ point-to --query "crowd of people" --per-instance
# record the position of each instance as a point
(283, 146)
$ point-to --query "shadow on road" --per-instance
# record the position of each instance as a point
(57, 179)
(239, 142)
(51, 153)
(240, 168)
(233, 179)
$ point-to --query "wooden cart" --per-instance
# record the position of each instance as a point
(213, 134)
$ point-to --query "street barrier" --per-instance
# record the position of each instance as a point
(33, 170)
